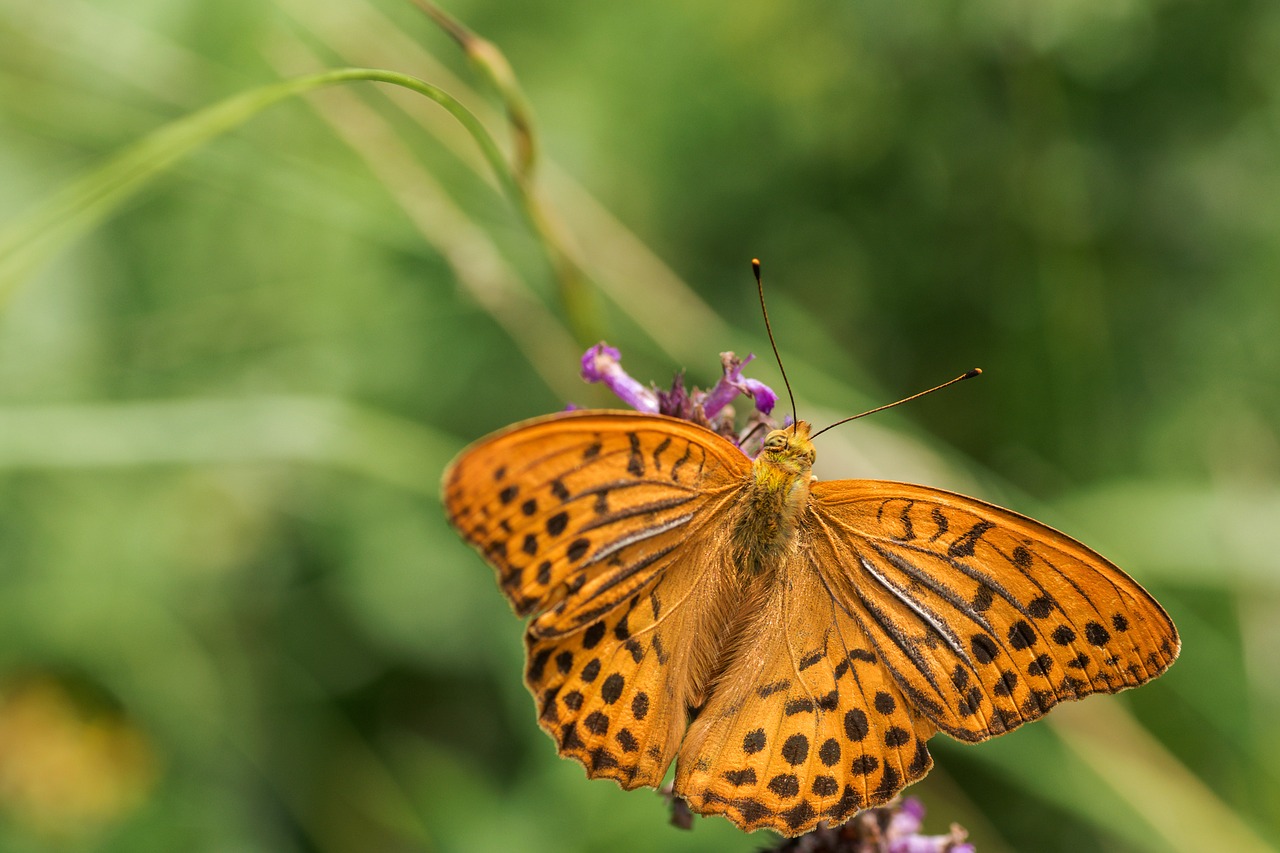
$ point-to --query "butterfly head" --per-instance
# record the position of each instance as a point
(789, 450)
(780, 485)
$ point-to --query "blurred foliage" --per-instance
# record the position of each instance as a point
(232, 615)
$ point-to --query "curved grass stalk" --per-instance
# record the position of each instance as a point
(87, 201)
(571, 275)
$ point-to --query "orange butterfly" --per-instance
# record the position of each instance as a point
(791, 644)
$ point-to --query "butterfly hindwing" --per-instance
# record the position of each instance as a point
(614, 694)
(803, 724)
(985, 617)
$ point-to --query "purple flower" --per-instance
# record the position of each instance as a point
(603, 363)
(676, 402)
(732, 384)
(904, 827)
(907, 820)
(893, 828)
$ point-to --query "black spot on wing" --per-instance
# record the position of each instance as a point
(799, 815)
(1096, 634)
(785, 785)
(1040, 607)
(1021, 635)
(1021, 557)
(658, 451)
(825, 786)
(796, 749)
(611, 690)
(811, 659)
(940, 521)
(964, 546)
(635, 461)
(768, 690)
(557, 523)
(984, 648)
(896, 737)
(592, 637)
(908, 530)
(865, 765)
(682, 461)
(855, 725)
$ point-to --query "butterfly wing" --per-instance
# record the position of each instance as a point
(603, 525)
(985, 618)
(803, 725)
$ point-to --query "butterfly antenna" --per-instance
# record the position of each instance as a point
(755, 268)
(972, 373)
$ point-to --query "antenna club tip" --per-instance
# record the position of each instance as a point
(755, 263)
(977, 371)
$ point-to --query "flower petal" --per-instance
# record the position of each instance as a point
(732, 384)
(764, 396)
(603, 363)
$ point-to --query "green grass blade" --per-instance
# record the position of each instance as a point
(31, 241)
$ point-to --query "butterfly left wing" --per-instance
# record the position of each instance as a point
(602, 524)
(985, 618)
(615, 694)
(578, 511)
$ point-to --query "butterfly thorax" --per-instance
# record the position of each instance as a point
(778, 496)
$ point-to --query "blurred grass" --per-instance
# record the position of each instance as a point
(223, 412)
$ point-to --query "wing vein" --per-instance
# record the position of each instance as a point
(639, 536)
(928, 616)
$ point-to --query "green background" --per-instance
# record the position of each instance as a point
(224, 411)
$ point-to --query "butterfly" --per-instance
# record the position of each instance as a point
(791, 644)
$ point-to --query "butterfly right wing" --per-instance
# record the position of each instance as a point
(604, 525)
(986, 618)
(804, 724)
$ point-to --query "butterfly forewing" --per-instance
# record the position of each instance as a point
(614, 694)
(986, 618)
(578, 511)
